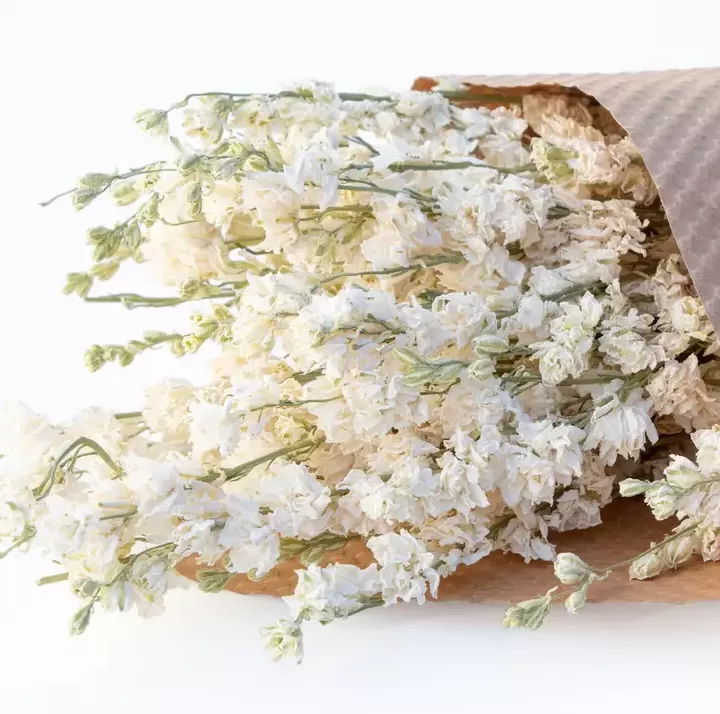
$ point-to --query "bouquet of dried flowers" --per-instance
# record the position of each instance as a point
(442, 330)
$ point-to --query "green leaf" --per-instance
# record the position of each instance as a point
(213, 581)
(78, 283)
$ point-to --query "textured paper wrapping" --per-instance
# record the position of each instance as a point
(673, 117)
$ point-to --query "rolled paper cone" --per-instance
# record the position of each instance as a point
(673, 117)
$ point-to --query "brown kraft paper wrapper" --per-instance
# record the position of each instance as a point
(673, 117)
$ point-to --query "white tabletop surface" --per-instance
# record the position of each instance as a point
(72, 74)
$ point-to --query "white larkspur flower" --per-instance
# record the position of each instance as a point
(566, 354)
(407, 568)
(646, 566)
(570, 569)
(297, 501)
(337, 590)
(678, 389)
(189, 252)
(620, 428)
(624, 343)
(167, 409)
(212, 428)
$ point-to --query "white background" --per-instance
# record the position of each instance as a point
(72, 73)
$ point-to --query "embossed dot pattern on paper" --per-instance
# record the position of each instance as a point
(673, 117)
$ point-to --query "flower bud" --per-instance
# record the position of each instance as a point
(188, 344)
(149, 213)
(493, 344)
(99, 234)
(633, 487)
(576, 600)
(83, 197)
(529, 614)
(445, 373)
(194, 199)
(153, 121)
(154, 336)
(646, 566)
(103, 271)
(105, 242)
(81, 619)
(482, 368)
(125, 358)
(682, 473)
(78, 283)
(662, 499)
(188, 163)
(570, 570)
(677, 551)
(94, 181)
(284, 639)
(125, 193)
(191, 288)
(226, 169)
(95, 358)
(132, 236)
(221, 313)
(275, 160)
(85, 588)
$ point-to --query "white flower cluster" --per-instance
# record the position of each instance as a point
(441, 329)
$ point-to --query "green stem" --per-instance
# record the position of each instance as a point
(50, 579)
(376, 601)
(127, 514)
(603, 572)
(448, 362)
(242, 470)
(359, 184)
(29, 535)
(430, 392)
(44, 488)
(574, 291)
(566, 294)
(351, 208)
(44, 204)
(386, 326)
(128, 415)
(131, 300)
(371, 189)
(400, 166)
(126, 568)
(427, 262)
(294, 404)
(335, 209)
(180, 223)
(111, 180)
(599, 378)
(651, 549)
